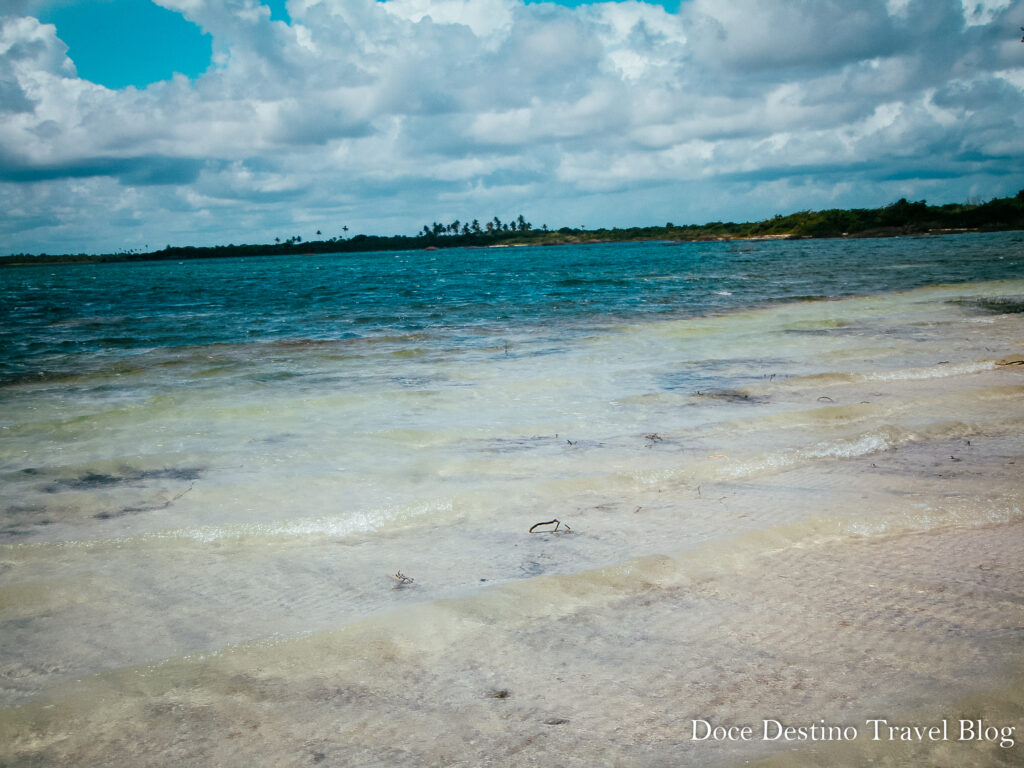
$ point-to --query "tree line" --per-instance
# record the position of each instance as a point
(494, 226)
(900, 218)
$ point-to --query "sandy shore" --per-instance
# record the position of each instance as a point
(835, 548)
(606, 668)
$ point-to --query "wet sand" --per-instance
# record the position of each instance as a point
(608, 667)
(913, 628)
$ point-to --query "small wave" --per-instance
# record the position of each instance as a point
(332, 526)
(572, 282)
(875, 441)
(931, 372)
(939, 371)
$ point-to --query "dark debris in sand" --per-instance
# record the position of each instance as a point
(94, 480)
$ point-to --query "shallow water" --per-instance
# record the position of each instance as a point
(213, 470)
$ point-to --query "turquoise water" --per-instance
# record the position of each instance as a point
(73, 319)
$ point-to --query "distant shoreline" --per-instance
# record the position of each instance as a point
(900, 219)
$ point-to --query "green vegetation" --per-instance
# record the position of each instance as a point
(900, 218)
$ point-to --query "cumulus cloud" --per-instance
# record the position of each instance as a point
(382, 115)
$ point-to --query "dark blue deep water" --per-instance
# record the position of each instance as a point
(54, 320)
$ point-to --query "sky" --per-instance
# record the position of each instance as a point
(135, 124)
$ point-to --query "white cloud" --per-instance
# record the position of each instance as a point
(983, 11)
(381, 116)
(486, 18)
(752, 35)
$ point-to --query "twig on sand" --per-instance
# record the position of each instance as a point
(558, 525)
(1012, 362)
(825, 399)
(403, 580)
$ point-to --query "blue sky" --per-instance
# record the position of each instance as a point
(129, 124)
(129, 42)
(117, 43)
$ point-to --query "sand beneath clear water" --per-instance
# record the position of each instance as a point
(839, 547)
(914, 628)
